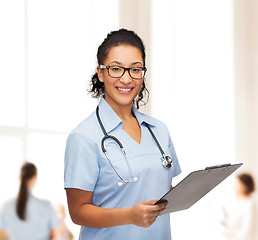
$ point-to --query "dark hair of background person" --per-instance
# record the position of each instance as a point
(28, 171)
(248, 181)
(113, 39)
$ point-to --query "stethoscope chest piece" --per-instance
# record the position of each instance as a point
(166, 161)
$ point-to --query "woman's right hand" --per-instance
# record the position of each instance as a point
(144, 214)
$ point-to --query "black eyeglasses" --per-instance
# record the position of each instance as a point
(118, 71)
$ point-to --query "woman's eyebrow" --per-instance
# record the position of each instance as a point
(137, 63)
(119, 63)
(115, 62)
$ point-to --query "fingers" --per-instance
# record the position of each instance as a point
(160, 209)
(161, 206)
(153, 216)
(156, 208)
(152, 202)
(145, 213)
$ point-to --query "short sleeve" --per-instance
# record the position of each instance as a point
(53, 219)
(176, 165)
(81, 162)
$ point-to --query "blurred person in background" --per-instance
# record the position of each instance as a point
(27, 217)
(240, 216)
(62, 232)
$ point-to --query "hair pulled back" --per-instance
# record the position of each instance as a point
(114, 39)
(248, 181)
(28, 171)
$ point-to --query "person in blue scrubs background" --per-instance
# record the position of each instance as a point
(114, 197)
(28, 217)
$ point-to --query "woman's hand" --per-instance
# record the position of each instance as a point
(144, 214)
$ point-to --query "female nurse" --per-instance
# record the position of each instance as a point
(111, 192)
(28, 217)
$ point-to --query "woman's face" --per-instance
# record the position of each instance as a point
(121, 91)
(240, 188)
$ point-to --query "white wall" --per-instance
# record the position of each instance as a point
(193, 93)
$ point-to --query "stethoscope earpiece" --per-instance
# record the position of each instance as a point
(120, 184)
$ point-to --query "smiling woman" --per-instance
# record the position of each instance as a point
(98, 183)
(123, 83)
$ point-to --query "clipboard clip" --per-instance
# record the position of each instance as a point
(218, 166)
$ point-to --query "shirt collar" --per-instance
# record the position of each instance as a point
(143, 118)
(108, 116)
(111, 120)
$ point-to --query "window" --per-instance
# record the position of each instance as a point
(48, 54)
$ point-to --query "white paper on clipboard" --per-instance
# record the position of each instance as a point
(197, 184)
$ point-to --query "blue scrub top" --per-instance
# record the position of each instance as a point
(40, 220)
(87, 168)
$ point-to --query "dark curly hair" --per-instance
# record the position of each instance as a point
(113, 39)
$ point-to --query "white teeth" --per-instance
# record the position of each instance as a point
(125, 89)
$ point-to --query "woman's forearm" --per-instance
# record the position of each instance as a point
(98, 217)
(84, 213)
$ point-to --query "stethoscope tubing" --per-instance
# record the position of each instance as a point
(121, 147)
(165, 160)
(155, 139)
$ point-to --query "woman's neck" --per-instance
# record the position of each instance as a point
(124, 112)
(244, 197)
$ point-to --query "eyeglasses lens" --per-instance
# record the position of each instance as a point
(136, 72)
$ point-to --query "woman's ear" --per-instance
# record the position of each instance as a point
(100, 74)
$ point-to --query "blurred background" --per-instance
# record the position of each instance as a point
(202, 59)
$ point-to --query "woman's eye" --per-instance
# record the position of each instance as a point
(136, 70)
(115, 69)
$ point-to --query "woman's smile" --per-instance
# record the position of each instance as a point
(124, 90)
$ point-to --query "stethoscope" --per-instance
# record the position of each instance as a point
(166, 161)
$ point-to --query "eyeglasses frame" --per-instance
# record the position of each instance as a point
(125, 69)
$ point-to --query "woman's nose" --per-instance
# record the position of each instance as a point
(126, 78)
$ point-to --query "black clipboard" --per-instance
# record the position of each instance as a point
(197, 184)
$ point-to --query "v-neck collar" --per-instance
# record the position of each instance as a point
(111, 120)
